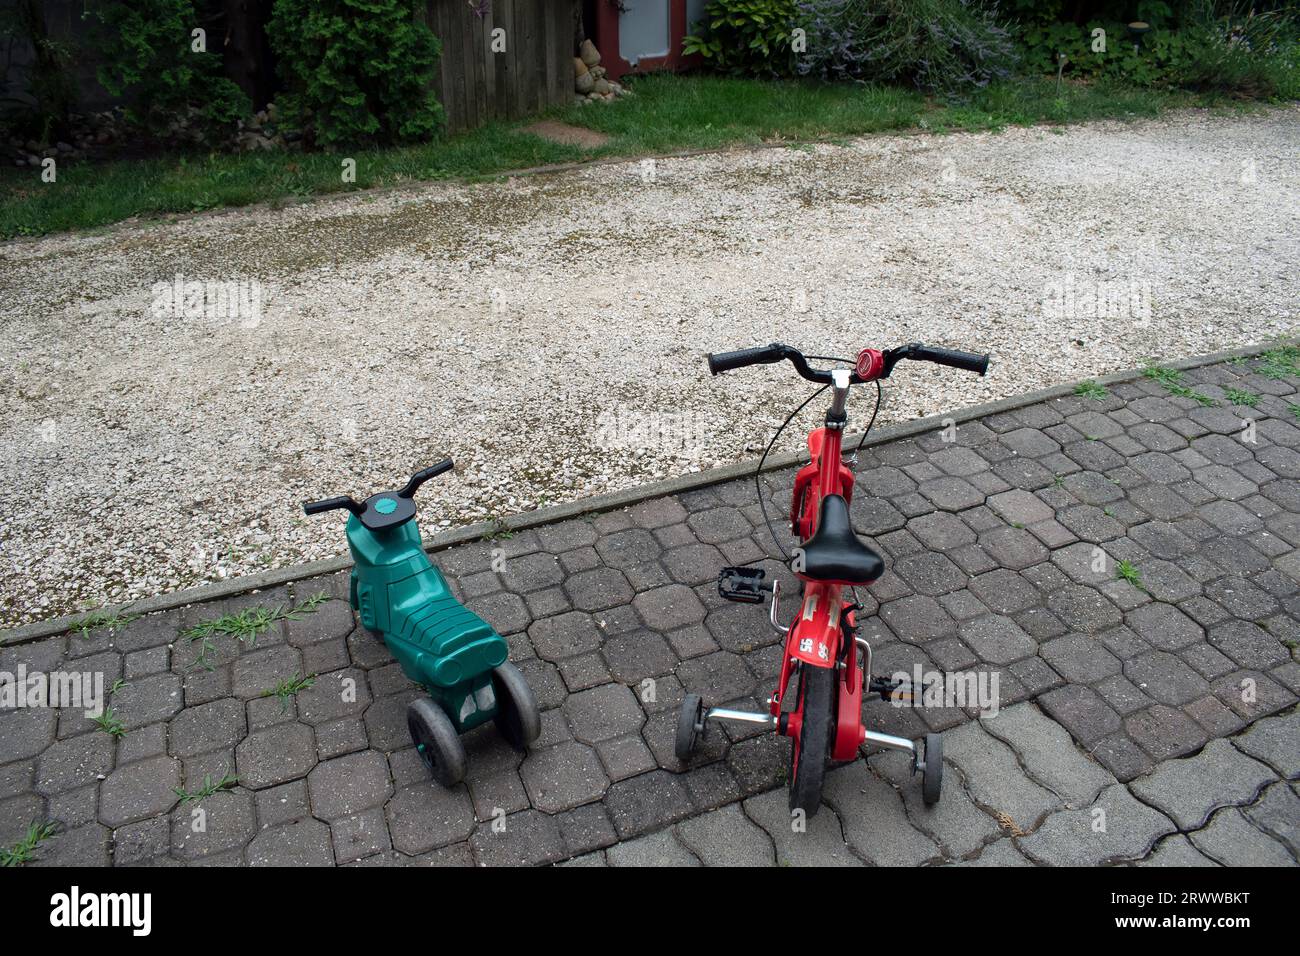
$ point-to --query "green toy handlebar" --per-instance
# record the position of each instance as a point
(384, 516)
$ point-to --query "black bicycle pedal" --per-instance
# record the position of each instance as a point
(743, 585)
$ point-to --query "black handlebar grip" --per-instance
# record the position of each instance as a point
(420, 477)
(726, 361)
(968, 361)
(433, 471)
(329, 504)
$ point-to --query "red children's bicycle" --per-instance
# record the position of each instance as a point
(821, 644)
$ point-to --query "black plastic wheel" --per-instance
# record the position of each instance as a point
(690, 724)
(932, 776)
(518, 720)
(437, 741)
(812, 748)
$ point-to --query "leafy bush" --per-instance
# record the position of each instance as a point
(147, 52)
(746, 37)
(356, 71)
(941, 46)
(1224, 47)
(1237, 50)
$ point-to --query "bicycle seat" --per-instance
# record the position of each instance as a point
(834, 554)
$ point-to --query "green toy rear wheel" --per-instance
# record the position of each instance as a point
(437, 741)
(518, 719)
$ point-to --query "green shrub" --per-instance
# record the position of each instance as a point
(1225, 47)
(1234, 49)
(355, 71)
(171, 89)
(940, 46)
(746, 37)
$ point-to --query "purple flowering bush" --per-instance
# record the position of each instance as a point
(939, 46)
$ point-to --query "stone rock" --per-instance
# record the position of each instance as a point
(588, 53)
(579, 68)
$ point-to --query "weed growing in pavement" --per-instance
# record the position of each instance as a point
(1240, 396)
(109, 723)
(22, 851)
(98, 619)
(208, 789)
(1091, 389)
(286, 688)
(1127, 571)
(1171, 380)
(499, 530)
(1280, 362)
(244, 626)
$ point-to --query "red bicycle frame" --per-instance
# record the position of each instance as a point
(817, 636)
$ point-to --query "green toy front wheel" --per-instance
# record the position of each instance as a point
(518, 719)
(436, 741)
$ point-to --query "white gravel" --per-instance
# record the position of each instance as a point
(548, 332)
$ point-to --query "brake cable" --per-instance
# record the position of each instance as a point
(758, 471)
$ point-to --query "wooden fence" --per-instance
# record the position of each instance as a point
(533, 72)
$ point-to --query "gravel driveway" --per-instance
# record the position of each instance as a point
(548, 331)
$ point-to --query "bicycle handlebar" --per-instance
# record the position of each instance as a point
(766, 355)
(953, 358)
(725, 361)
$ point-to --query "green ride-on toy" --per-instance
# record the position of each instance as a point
(442, 645)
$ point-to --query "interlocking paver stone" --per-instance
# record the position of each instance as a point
(1166, 678)
(1231, 840)
(303, 842)
(726, 837)
(138, 791)
(1124, 829)
(1189, 790)
(74, 762)
(1273, 740)
(954, 823)
(994, 778)
(563, 776)
(216, 824)
(874, 820)
(1277, 813)
(657, 849)
(1051, 756)
(604, 712)
(208, 727)
(424, 816)
(521, 839)
(349, 784)
(1176, 850)
(996, 639)
(815, 841)
(276, 754)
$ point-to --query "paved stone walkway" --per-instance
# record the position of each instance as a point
(1152, 721)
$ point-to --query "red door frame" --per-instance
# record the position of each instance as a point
(607, 17)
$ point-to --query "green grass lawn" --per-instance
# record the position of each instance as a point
(666, 114)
